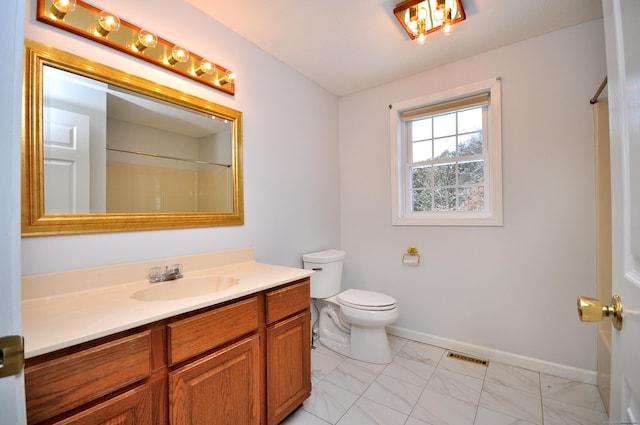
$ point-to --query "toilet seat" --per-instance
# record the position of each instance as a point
(366, 300)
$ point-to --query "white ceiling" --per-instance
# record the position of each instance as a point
(347, 46)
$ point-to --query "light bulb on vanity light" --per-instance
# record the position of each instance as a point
(145, 39)
(178, 54)
(226, 78)
(206, 67)
(59, 8)
(107, 22)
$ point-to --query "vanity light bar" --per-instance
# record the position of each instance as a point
(106, 28)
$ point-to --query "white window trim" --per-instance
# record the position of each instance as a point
(493, 191)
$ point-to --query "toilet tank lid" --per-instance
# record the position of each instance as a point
(327, 256)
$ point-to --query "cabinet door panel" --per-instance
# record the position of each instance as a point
(221, 388)
(130, 408)
(288, 366)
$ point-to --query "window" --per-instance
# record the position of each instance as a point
(447, 158)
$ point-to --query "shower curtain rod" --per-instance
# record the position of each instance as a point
(154, 155)
(594, 99)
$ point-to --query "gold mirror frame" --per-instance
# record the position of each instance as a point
(35, 222)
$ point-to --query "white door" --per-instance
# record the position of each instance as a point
(622, 32)
(12, 404)
(66, 162)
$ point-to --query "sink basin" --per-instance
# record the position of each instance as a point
(185, 288)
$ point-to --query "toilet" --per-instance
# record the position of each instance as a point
(351, 322)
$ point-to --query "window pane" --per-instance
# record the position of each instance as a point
(421, 129)
(421, 200)
(470, 144)
(421, 151)
(444, 199)
(471, 172)
(444, 175)
(444, 148)
(421, 177)
(444, 125)
(470, 120)
(471, 198)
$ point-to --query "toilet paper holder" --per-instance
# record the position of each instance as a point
(412, 256)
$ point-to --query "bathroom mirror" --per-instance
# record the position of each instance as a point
(105, 151)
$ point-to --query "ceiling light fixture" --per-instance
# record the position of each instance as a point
(422, 17)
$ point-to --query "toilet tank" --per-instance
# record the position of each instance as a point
(327, 279)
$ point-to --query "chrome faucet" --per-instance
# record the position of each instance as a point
(156, 274)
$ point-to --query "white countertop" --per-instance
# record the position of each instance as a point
(61, 320)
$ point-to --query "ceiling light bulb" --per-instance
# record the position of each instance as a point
(412, 14)
(59, 8)
(446, 23)
(206, 67)
(422, 31)
(178, 54)
(413, 26)
(439, 12)
(422, 14)
(145, 39)
(107, 22)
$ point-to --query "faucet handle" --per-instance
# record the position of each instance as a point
(156, 274)
(177, 269)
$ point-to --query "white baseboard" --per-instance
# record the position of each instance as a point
(556, 369)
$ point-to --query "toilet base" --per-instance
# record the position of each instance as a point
(367, 344)
(378, 352)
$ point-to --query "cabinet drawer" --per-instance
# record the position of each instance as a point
(195, 335)
(58, 385)
(131, 408)
(288, 300)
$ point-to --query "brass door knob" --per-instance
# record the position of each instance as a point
(592, 310)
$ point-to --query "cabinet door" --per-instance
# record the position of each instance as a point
(130, 408)
(288, 366)
(221, 388)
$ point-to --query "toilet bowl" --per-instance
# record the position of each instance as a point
(351, 322)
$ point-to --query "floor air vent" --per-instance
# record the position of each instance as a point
(468, 358)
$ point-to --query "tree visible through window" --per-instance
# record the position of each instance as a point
(446, 169)
(447, 155)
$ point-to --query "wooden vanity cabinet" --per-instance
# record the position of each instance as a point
(247, 362)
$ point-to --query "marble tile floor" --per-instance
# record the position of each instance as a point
(422, 386)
